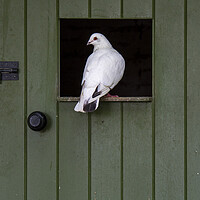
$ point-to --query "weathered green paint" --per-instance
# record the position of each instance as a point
(137, 129)
(12, 102)
(193, 96)
(105, 9)
(108, 165)
(137, 151)
(169, 99)
(137, 9)
(73, 153)
(73, 9)
(108, 154)
(41, 84)
(74, 143)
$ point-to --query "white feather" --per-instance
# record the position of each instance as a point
(103, 70)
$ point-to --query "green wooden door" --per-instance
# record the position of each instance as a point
(124, 150)
(110, 149)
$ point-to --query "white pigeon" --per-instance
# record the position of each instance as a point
(103, 70)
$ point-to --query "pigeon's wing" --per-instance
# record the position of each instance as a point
(90, 62)
(102, 72)
(99, 92)
(108, 70)
(84, 72)
(107, 73)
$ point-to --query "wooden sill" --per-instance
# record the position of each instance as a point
(125, 99)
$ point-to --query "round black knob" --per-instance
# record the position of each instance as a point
(37, 121)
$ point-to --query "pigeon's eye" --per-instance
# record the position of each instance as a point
(95, 38)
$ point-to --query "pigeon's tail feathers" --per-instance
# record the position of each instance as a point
(79, 108)
(85, 104)
(89, 99)
(91, 107)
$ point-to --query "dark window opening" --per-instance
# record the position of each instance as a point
(131, 38)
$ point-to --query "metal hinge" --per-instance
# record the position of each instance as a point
(9, 70)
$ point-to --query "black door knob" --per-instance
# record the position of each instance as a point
(37, 121)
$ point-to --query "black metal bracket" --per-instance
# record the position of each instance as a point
(9, 70)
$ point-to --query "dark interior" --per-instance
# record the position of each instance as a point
(131, 38)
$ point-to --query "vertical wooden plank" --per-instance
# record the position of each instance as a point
(12, 102)
(73, 130)
(137, 151)
(137, 129)
(106, 9)
(73, 153)
(73, 9)
(42, 67)
(193, 96)
(1, 27)
(169, 99)
(106, 129)
(137, 9)
(106, 152)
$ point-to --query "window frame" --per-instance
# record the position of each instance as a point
(104, 98)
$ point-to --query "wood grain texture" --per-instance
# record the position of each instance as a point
(121, 133)
(193, 96)
(169, 112)
(41, 75)
(73, 9)
(106, 130)
(137, 9)
(137, 151)
(105, 152)
(12, 102)
(73, 131)
(137, 129)
(73, 153)
(106, 9)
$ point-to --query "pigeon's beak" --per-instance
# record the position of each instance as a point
(89, 42)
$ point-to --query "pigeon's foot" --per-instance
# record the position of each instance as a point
(109, 95)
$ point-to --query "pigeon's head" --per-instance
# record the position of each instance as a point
(99, 41)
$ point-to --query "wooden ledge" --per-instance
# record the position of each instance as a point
(125, 99)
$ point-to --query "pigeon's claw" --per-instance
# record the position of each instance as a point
(109, 95)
